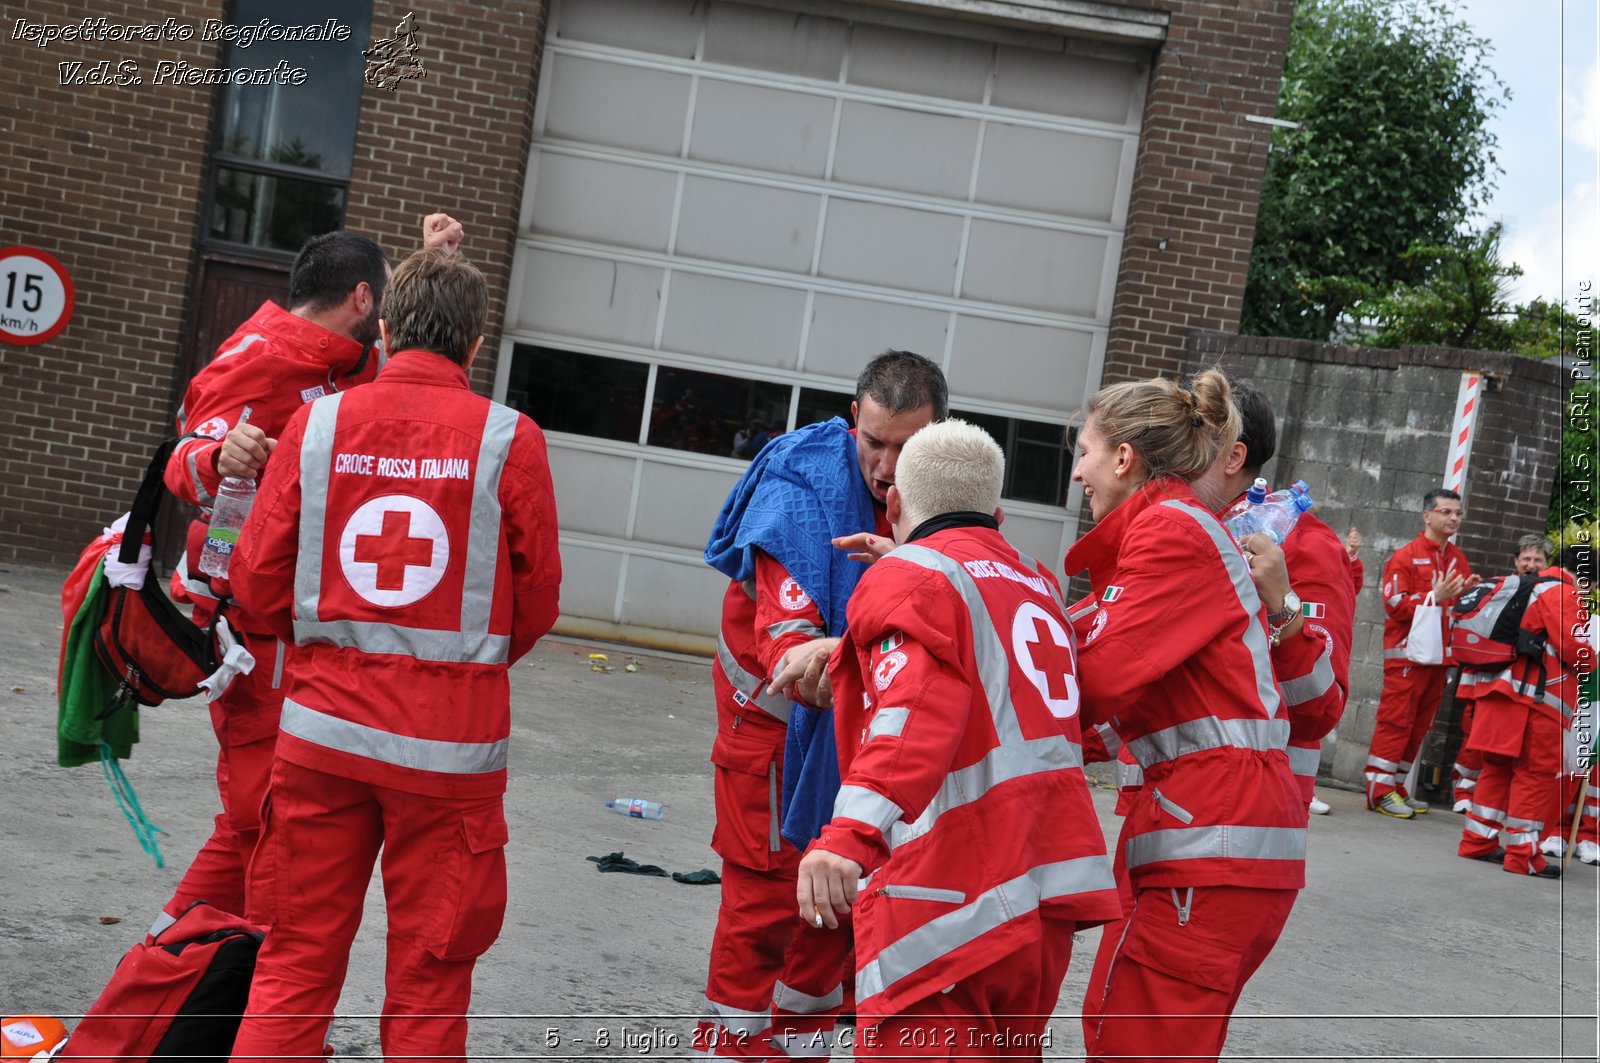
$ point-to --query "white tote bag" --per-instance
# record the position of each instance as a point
(1425, 644)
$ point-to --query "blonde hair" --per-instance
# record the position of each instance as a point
(436, 302)
(1175, 430)
(949, 467)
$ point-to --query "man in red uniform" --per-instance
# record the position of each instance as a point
(1532, 556)
(1522, 714)
(275, 362)
(1430, 563)
(405, 541)
(964, 813)
(781, 615)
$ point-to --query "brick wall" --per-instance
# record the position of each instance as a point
(110, 181)
(456, 141)
(1197, 180)
(1369, 430)
(107, 179)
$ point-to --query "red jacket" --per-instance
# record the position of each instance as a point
(964, 797)
(406, 541)
(1408, 576)
(1176, 660)
(1556, 611)
(1313, 667)
(274, 363)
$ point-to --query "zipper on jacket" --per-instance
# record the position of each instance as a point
(1176, 811)
(923, 893)
(1111, 969)
(1183, 909)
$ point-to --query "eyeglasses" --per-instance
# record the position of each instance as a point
(1448, 512)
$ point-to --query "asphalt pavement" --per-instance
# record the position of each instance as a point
(1396, 950)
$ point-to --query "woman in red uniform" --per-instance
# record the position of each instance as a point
(1176, 659)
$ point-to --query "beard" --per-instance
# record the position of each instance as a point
(366, 333)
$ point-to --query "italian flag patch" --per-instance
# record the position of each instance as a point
(1313, 610)
(891, 642)
(1111, 594)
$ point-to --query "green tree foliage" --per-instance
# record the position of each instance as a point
(1574, 504)
(1393, 153)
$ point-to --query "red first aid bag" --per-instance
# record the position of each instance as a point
(177, 994)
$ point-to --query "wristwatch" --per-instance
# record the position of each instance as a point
(1291, 606)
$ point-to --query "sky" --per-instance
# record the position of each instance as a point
(1547, 196)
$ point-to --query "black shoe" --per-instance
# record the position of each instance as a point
(1547, 871)
(1496, 857)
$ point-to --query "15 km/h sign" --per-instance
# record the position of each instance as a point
(36, 296)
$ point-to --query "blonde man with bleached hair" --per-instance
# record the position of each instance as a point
(948, 467)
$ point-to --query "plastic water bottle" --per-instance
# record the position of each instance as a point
(637, 807)
(1274, 514)
(235, 496)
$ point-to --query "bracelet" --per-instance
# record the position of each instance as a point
(1275, 631)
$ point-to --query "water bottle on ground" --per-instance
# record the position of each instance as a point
(637, 807)
(1274, 514)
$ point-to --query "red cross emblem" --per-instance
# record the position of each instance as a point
(887, 668)
(1044, 652)
(793, 596)
(394, 550)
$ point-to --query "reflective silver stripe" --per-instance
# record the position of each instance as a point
(1255, 637)
(1379, 762)
(888, 722)
(1109, 737)
(992, 908)
(1129, 776)
(1519, 837)
(424, 644)
(472, 644)
(786, 998)
(1394, 601)
(1208, 732)
(1087, 609)
(774, 818)
(483, 530)
(774, 705)
(1482, 830)
(1222, 842)
(1485, 812)
(1381, 777)
(451, 758)
(1001, 764)
(201, 495)
(163, 920)
(199, 588)
(1313, 684)
(1304, 761)
(1466, 784)
(866, 806)
(1396, 653)
(1030, 567)
(790, 627)
(1513, 823)
(722, 1016)
(1464, 771)
(240, 346)
(316, 456)
(277, 664)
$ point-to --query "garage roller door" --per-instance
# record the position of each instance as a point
(730, 207)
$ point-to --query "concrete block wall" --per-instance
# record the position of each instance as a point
(1369, 431)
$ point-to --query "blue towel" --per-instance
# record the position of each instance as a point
(801, 491)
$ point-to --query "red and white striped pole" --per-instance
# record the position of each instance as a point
(1455, 466)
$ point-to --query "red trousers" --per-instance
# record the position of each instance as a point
(1558, 821)
(1110, 934)
(1176, 976)
(1521, 749)
(245, 720)
(1469, 762)
(769, 973)
(1410, 697)
(1002, 1012)
(444, 886)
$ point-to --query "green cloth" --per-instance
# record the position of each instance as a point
(87, 688)
(619, 863)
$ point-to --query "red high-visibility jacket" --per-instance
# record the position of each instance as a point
(1556, 611)
(406, 541)
(274, 363)
(1313, 666)
(955, 703)
(1408, 576)
(1176, 659)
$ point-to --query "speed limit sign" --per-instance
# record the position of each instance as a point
(36, 296)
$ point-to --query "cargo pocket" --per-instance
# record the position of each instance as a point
(480, 901)
(749, 784)
(1161, 944)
